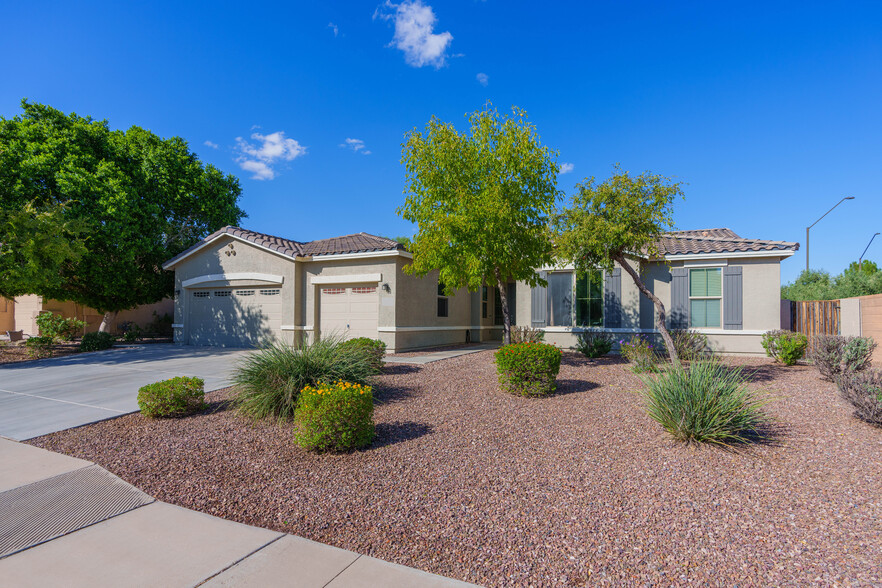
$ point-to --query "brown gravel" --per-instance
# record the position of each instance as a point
(17, 352)
(579, 488)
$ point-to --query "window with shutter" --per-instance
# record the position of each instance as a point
(705, 297)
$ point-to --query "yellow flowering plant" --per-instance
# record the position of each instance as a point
(334, 417)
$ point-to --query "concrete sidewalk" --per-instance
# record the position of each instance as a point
(65, 521)
(439, 355)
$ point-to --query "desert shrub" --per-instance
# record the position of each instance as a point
(706, 402)
(864, 390)
(39, 347)
(269, 380)
(58, 328)
(131, 332)
(691, 345)
(161, 326)
(594, 344)
(334, 417)
(786, 347)
(835, 354)
(373, 350)
(526, 335)
(528, 369)
(640, 353)
(176, 397)
(96, 341)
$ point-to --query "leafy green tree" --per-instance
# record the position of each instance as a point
(809, 285)
(819, 285)
(607, 223)
(867, 267)
(481, 202)
(37, 246)
(125, 201)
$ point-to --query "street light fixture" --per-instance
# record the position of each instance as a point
(861, 260)
(816, 222)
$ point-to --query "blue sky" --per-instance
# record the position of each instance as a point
(770, 112)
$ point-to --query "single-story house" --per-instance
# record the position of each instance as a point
(20, 313)
(239, 288)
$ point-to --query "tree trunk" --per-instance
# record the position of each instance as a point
(108, 320)
(659, 308)
(506, 318)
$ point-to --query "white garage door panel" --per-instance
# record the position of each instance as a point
(349, 311)
(234, 317)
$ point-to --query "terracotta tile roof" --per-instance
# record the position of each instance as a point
(716, 241)
(358, 243)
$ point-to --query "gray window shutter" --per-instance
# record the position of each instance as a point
(538, 304)
(612, 299)
(732, 298)
(679, 298)
(560, 299)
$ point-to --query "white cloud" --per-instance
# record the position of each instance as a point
(210, 144)
(483, 79)
(259, 156)
(356, 145)
(414, 33)
(334, 28)
(566, 168)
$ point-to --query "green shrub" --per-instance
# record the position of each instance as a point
(269, 380)
(863, 389)
(526, 335)
(785, 346)
(58, 328)
(594, 344)
(96, 341)
(176, 397)
(834, 354)
(706, 402)
(334, 417)
(640, 353)
(39, 347)
(161, 326)
(131, 332)
(691, 345)
(528, 369)
(373, 350)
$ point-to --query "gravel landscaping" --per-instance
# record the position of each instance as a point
(575, 489)
(16, 352)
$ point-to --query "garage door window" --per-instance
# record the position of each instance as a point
(333, 290)
(200, 294)
(222, 293)
(244, 292)
(364, 290)
(270, 292)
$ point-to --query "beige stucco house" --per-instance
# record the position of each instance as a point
(20, 313)
(240, 288)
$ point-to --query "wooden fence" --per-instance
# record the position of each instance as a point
(815, 317)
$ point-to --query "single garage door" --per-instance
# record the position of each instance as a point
(234, 317)
(349, 311)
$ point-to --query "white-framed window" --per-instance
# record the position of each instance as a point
(443, 302)
(705, 297)
(589, 299)
(575, 300)
(485, 302)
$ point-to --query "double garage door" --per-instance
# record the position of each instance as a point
(349, 311)
(234, 317)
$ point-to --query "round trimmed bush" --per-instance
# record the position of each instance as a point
(528, 369)
(96, 341)
(334, 417)
(786, 347)
(176, 397)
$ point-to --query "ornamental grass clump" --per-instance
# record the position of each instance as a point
(707, 402)
(594, 344)
(864, 391)
(640, 353)
(176, 397)
(334, 417)
(786, 347)
(835, 354)
(269, 380)
(528, 369)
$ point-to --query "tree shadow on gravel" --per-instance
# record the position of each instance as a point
(397, 432)
(757, 374)
(400, 369)
(574, 386)
(579, 360)
(391, 394)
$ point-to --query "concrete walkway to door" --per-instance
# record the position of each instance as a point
(69, 522)
(49, 395)
(447, 354)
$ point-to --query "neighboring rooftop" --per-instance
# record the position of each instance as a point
(717, 241)
(357, 243)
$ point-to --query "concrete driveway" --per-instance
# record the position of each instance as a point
(51, 395)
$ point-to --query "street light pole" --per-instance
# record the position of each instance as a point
(816, 222)
(861, 260)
